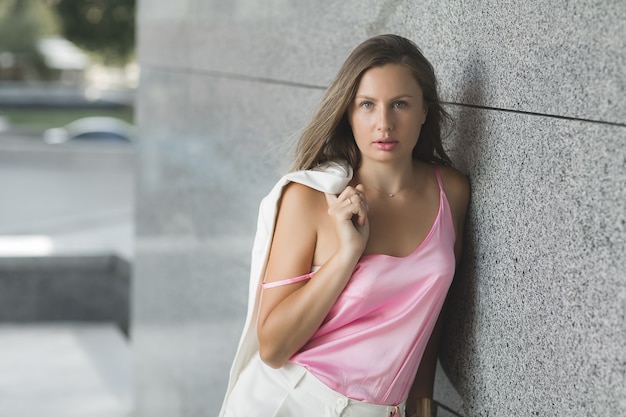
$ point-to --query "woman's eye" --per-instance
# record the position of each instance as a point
(399, 104)
(367, 105)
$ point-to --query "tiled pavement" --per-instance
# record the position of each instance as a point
(64, 370)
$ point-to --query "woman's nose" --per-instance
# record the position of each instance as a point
(384, 122)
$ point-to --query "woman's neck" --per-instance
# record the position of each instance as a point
(390, 179)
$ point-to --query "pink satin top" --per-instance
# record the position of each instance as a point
(371, 343)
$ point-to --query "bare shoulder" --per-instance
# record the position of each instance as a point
(457, 188)
(299, 196)
(295, 233)
(300, 202)
(455, 182)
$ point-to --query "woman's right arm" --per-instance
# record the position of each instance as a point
(290, 314)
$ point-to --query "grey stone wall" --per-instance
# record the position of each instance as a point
(536, 323)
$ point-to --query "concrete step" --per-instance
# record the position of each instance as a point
(82, 288)
(64, 370)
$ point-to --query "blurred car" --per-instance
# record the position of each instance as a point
(91, 129)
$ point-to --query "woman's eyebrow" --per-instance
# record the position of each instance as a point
(366, 97)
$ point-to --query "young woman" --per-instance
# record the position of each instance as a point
(355, 251)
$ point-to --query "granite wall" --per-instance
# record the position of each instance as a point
(536, 323)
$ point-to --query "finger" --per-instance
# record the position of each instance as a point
(361, 192)
(357, 209)
(348, 191)
(331, 199)
(356, 199)
(336, 204)
(347, 197)
(361, 214)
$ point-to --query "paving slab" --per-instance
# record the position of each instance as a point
(64, 370)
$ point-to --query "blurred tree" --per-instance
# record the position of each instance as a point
(105, 27)
(22, 23)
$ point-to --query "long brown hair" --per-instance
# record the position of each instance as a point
(328, 136)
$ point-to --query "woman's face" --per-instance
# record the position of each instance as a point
(387, 113)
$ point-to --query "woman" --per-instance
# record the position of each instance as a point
(359, 247)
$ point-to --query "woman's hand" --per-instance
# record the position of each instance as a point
(349, 214)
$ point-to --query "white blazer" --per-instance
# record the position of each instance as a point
(329, 178)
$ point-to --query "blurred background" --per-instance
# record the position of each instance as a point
(536, 319)
(68, 76)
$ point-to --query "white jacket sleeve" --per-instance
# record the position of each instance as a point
(329, 178)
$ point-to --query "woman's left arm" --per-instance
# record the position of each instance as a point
(457, 188)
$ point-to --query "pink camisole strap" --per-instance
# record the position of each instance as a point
(268, 285)
(439, 181)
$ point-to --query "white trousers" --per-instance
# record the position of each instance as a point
(291, 391)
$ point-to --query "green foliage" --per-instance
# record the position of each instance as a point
(105, 27)
(22, 23)
(18, 29)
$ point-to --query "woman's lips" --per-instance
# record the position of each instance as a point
(385, 144)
